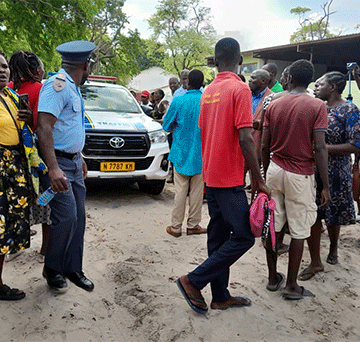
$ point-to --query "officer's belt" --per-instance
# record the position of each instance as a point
(65, 154)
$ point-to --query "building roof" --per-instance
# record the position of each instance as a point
(334, 52)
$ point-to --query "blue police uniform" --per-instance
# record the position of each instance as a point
(61, 97)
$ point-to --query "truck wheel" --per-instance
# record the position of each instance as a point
(153, 187)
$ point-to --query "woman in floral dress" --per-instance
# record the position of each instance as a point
(26, 73)
(15, 188)
(342, 139)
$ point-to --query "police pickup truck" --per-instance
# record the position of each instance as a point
(121, 141)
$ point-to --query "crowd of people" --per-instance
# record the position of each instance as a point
(295, 144)
(300, 141)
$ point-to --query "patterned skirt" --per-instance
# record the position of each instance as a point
(341, 210)
(14, 201)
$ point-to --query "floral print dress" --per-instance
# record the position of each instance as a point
(14, 201)
(344, 127)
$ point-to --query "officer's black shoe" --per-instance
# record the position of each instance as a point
(79, 279)
(55, 279)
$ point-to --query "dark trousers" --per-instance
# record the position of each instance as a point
(229, 237)
(65, 246)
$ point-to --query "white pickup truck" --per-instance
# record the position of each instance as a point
(121, 141)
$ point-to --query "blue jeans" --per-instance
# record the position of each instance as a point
(229, 237)
(64, 252)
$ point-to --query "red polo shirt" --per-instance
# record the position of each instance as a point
(225, 108)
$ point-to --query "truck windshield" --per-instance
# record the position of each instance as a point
(108, 99)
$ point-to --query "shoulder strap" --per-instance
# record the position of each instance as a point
(8, 109)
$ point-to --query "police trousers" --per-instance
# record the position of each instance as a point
(64, 252)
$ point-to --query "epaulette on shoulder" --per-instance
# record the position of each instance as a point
(59, 82)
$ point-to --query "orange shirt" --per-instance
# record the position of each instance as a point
(8, 132)
(225, 108)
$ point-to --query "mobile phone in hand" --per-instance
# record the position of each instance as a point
(23, 101)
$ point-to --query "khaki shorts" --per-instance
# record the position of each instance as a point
(294, 195)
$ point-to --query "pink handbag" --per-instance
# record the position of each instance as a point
(262, 218)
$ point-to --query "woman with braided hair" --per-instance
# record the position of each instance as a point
(17, 185)
(26, 73)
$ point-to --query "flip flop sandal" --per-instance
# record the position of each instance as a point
(6, 293)
(277, 286)
(308, 273)
(297, 296)
(189, 300)
(332, 259)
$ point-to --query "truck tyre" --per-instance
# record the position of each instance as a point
(153, 187)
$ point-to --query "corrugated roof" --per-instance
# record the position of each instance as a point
(339, 39)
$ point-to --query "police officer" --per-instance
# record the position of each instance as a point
(61, 134)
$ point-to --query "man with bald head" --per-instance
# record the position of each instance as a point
(258, 83)
(274, 85)
(174, 84)
(184, 81)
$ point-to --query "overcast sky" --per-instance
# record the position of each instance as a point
(261, 23)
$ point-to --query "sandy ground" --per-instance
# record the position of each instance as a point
(134, 262)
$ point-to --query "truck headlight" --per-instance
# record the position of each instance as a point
(158, 137)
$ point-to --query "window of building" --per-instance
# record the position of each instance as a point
(248, 68)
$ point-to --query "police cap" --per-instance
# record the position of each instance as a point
(76, 51)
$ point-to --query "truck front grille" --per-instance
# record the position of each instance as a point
(97, 144)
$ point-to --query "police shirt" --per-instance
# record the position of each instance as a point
(60, 97)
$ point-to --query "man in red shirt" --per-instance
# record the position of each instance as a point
(225, 122)
(294, 128)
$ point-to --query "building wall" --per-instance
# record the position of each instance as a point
(249, 64)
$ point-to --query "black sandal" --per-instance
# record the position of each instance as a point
(6, 293)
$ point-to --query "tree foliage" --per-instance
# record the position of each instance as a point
(312, 27)
(131, 56)
(183, 32)
(41, 25)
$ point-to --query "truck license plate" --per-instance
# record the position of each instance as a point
(117, 166)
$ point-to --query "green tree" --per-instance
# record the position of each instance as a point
(131, 56)
(312, 27)
(106, 30)
(183, 31)
(40, 25)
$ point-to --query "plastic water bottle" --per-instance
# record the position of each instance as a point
(46, 197)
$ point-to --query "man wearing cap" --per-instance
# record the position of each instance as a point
(144, 98)
(61, 133)
(145, 103)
